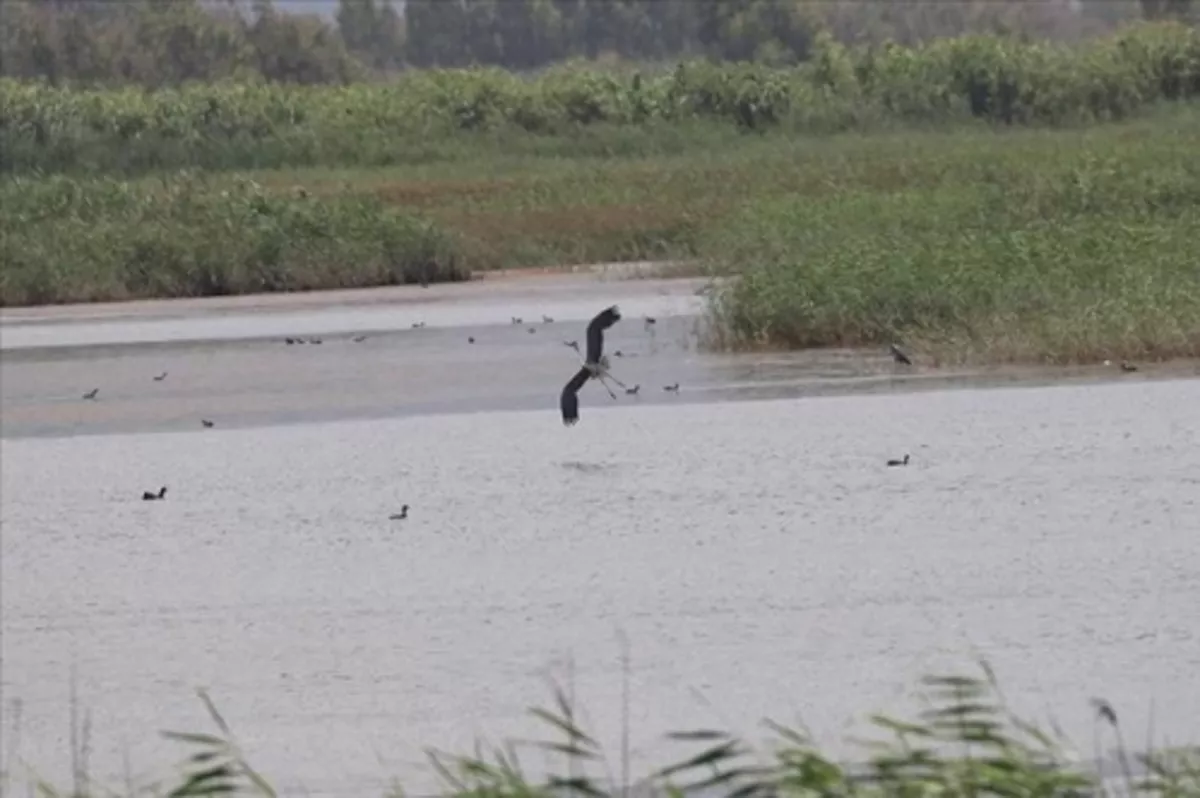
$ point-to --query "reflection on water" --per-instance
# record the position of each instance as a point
(757, 552)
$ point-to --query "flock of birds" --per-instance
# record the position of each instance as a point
(595, 366)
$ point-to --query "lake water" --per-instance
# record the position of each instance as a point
(758, 555)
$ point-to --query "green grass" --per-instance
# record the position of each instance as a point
(969, 242)
(421, 116)
(1035, 247)
(965, 743)
(68, 240)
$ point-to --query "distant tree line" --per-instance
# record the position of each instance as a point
(166, 42)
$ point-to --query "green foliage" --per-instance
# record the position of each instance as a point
(1039, 250)
(165, 42)
(102, 239)
(154, 43)
(241, 126)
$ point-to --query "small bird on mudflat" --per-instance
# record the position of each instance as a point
(91, 394)
(161, 377)
(633, 391)
(400, 516)
(903, 462)
(206, 422)
(150, 497)
(671, 388)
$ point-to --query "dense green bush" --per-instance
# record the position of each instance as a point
(1027, 254)
(225, 126)
(100, 239)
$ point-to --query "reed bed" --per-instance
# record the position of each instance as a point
(966, 743)
(69, 240)
(778, 209)
(1039, 248)
(440, 115)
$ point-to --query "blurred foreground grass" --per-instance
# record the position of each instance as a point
(965, 743)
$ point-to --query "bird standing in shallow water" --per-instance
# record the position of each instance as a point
(671, 388)
(400, 516)
(149, 497)
(206, 422)
(91, 394)
(903, 462)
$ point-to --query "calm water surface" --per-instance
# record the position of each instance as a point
(758, 555)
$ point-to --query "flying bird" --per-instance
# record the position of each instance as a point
(595, 365)
(899, 356)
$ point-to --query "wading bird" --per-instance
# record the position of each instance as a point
(206, 422)
(91, 394)
(149, 497)
(161, 377)
(595, 365)
(400, 516)
(903, 462)
(671, 388)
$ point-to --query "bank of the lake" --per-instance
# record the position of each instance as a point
(997, 208)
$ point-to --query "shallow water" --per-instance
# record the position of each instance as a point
(757, 554)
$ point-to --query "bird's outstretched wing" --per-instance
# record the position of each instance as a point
(595, 332)
(569, 401)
